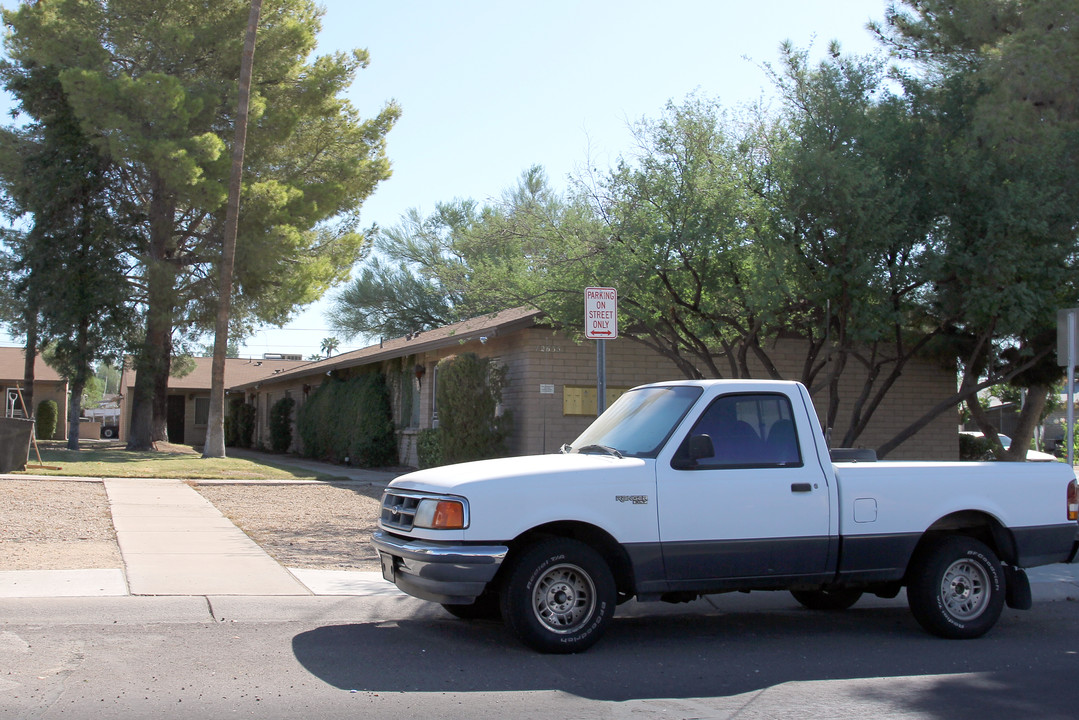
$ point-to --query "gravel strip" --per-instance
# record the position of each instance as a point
(56, 525)
(326, 526)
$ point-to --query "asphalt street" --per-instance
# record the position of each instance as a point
(200, 622)
(755, 655)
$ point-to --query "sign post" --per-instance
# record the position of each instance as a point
(601, 324)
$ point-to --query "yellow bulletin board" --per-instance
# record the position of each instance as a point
(581, 400)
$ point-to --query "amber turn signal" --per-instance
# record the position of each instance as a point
(440, 514)
(448, 515)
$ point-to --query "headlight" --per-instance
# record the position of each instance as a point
(440, 514)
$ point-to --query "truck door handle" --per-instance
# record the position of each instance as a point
(801, 487)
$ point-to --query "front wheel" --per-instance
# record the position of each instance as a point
(559, 596)
(956, 589)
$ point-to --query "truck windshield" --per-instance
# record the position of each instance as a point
(639, 422)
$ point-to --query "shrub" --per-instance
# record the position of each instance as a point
(48, 413)
(349, 420)
(972, 447)
(469, 392)
(281, 424)
(429, 448)
(240, 424)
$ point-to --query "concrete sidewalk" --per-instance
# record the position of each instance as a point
(175, 542)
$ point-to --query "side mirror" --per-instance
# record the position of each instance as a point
(693, 449)
(700, 446)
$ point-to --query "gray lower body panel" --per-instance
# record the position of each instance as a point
(451, 574)
(876, 558)
(1046, 544)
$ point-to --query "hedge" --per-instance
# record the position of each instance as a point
(240, 424)
(349, 421)
(469, 392)
(281, 424)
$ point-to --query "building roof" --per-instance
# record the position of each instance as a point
(12, 360)
(491, 325)
(237, 371)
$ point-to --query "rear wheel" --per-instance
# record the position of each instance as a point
(956, 588)
(559, 596)
(837, 599)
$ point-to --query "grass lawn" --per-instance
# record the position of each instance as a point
(110, 459)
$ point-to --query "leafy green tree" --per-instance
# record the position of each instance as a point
(108, 376)
(413, 280)
(69, 261)
(930, 213)
(849, 226)
(996, 82)
(153, 85)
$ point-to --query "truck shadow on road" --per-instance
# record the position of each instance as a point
(717, 654)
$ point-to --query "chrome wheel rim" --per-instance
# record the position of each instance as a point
(564, 598)
(965, 590)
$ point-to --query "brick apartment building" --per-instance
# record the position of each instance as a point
(551, 384)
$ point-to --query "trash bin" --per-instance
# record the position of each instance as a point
(15, 436)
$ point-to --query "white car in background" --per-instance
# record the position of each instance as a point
(1032, 455)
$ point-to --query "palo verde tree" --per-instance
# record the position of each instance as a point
(996, 82)
(848, 231)
(413, 279)
(153, 85)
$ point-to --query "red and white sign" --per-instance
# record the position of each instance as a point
(600, 313)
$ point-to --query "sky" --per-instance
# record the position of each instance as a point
(490, 88)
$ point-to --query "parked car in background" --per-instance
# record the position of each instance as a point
(1032, 455)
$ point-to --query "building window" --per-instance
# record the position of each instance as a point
(202, 411)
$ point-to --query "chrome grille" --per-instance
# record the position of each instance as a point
(398, 510)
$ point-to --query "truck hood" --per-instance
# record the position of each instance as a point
(457, 479)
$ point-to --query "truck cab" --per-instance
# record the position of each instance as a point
(694, 487)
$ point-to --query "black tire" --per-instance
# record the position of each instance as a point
(956, 588)
(559, 596)
(486, 607)
(829, 600)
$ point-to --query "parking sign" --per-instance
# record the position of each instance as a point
(600, 313)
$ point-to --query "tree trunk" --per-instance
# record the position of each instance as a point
(78, 384)
(29, 359)
(215, 430)
(74, 412)
(149, 414)
(1029, 417)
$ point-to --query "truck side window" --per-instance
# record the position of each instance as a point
(751, 430)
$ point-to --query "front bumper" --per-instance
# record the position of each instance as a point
(448, 573)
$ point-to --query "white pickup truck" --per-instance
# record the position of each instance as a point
(689, 488)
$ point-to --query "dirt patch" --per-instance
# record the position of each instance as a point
(56, 525)
(326, 526)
